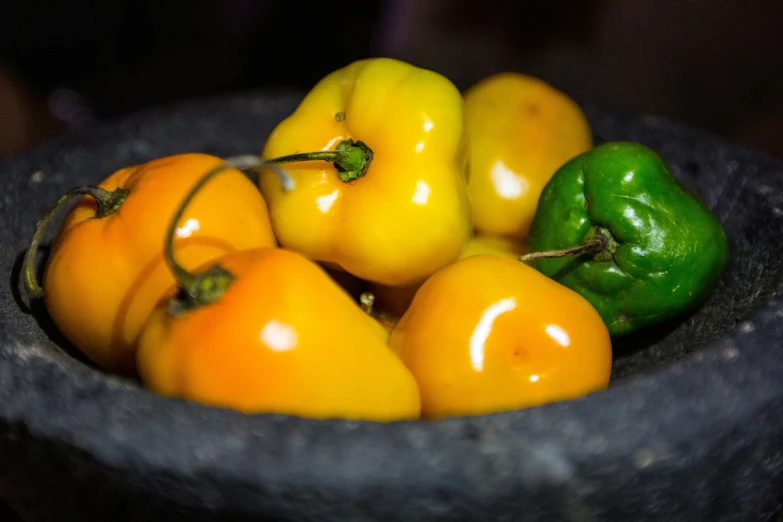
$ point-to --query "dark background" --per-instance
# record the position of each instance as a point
(715, 64)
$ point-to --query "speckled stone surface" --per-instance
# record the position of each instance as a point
(691, 429)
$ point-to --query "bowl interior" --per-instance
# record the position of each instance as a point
(739, 186)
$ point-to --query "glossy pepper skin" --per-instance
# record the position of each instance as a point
(665, 250)
(490, 333)
(283, 338)
(409, 215)
(395, 300)
(520, 131)
(105, 275)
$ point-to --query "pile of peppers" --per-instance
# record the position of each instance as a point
(407, 251)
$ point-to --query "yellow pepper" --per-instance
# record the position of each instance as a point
(376, 152)
(520, 131)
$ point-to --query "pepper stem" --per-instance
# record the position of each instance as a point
(366, 302)
(207, 287)
(250, 163)
(351, 159)
(196, 289)
(598, 243)
(106, 204)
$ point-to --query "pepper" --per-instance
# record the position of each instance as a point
(383, 195)
(520, 131)
(106, 272)
(267, 331)
(392, 301)
(489, 333)
(645, 250)
(480, 244)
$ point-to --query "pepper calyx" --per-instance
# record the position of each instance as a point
(353, 160)
(609, 246)
(203, 289)
(109, 202)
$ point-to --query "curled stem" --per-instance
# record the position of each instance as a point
(208, 286)
(106, 204)
(185, 279)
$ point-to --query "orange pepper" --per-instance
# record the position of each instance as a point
(520, 131)
(283, 338)
(267, 330)
(106, 271)
(489, 333)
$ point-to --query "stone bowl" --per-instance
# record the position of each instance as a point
(691, 428)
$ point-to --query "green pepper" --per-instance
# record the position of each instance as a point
(613, 225)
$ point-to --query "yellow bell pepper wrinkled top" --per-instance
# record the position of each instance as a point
(410, 214)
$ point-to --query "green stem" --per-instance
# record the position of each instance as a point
(598, 243)
(106, 204)
(324, 155)
(198, 288)
(207, 287)
(351, 159)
